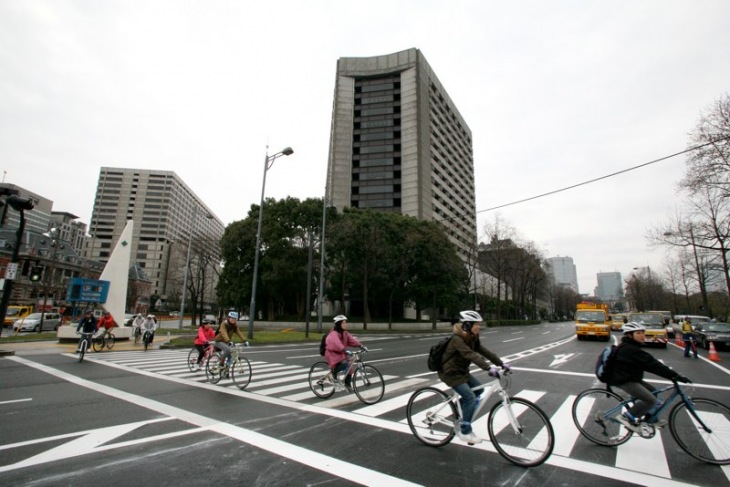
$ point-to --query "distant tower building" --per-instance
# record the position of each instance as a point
(564, 273)
(165, 212)
(399, 144)
(610, 286)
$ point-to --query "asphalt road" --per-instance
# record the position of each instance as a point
(129, 416)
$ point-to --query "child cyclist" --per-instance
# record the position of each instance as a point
(463, 349)
(630, 363)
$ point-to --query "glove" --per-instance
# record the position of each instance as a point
(493, 371)
(681, 378)
(348, 353)
(364, 348)
(507, 367)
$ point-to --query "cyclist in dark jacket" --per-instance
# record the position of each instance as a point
(88, 325)
(629, 365)
(463, 349)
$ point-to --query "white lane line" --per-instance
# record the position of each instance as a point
(513, 339)
(317, 461)
(16, 400)
(69, 435)
(644, 455)
(566, 434)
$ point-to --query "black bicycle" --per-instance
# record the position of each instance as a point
(701, 427)
(147, 338)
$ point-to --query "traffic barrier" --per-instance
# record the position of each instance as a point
(713, 353)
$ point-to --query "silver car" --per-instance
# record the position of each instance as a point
(32, 322)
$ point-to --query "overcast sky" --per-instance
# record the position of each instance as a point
(555, 93)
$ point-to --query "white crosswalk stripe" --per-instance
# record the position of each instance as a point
(290, 382)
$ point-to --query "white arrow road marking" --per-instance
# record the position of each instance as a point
(561, 359)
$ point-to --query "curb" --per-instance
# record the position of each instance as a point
(3, 353)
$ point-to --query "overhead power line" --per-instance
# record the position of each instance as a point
(603, 177)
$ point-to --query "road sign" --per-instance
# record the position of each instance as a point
(87, 290)
(11, 271)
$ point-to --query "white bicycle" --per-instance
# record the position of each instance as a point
(518, 429)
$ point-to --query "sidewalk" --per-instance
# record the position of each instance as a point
(52, 346)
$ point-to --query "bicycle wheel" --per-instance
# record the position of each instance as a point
(146, 340)
(592, 414)
(319, 380)
(193, 359)
(521, 432)
(241, 372)
(98, 344)
(137, 334)
(431, 416)
(82, 350)
(213, 369)
(711, 445)
(110, 341)
(368, 384)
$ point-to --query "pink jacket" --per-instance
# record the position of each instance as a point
(204, 335)
(336, 345)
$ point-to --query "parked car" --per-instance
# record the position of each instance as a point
(128, 319)
(718, 333)
(32, 322)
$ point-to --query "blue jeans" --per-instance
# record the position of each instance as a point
(342, 367)
(688, 345)
(468, 402)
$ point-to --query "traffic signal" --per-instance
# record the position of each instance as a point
(36, 272)
(18, 203)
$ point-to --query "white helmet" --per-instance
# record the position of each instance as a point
(339, 318)
(469, 317)
(632, 327)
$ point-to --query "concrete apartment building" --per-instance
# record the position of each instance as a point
(564, 272)
(166, 212)
(610, 286)
(399, 144)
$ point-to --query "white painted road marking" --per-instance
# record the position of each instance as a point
(16, 400)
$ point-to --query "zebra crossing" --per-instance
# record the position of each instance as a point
(657, 457)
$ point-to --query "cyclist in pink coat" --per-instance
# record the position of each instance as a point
(336, 347)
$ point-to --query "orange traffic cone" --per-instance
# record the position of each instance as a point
(713, 353)
(678, 340)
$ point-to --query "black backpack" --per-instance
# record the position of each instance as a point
(323, 344)
(436, 355)
(604, 363)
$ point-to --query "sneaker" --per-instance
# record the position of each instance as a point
(660, 423)
(626, 421)
(469, 438)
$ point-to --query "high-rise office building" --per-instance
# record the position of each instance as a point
(399, 144)
(564, 272)
(610, 286)
(166, 212)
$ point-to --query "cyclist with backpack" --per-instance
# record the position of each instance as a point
(336, 345)
(629, 364)
(463, 349)
(224, 335)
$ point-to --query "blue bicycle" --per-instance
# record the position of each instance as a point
(701, 427)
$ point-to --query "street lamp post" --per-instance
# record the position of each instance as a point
(48, 274)
(268, 162)
(320, 294)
